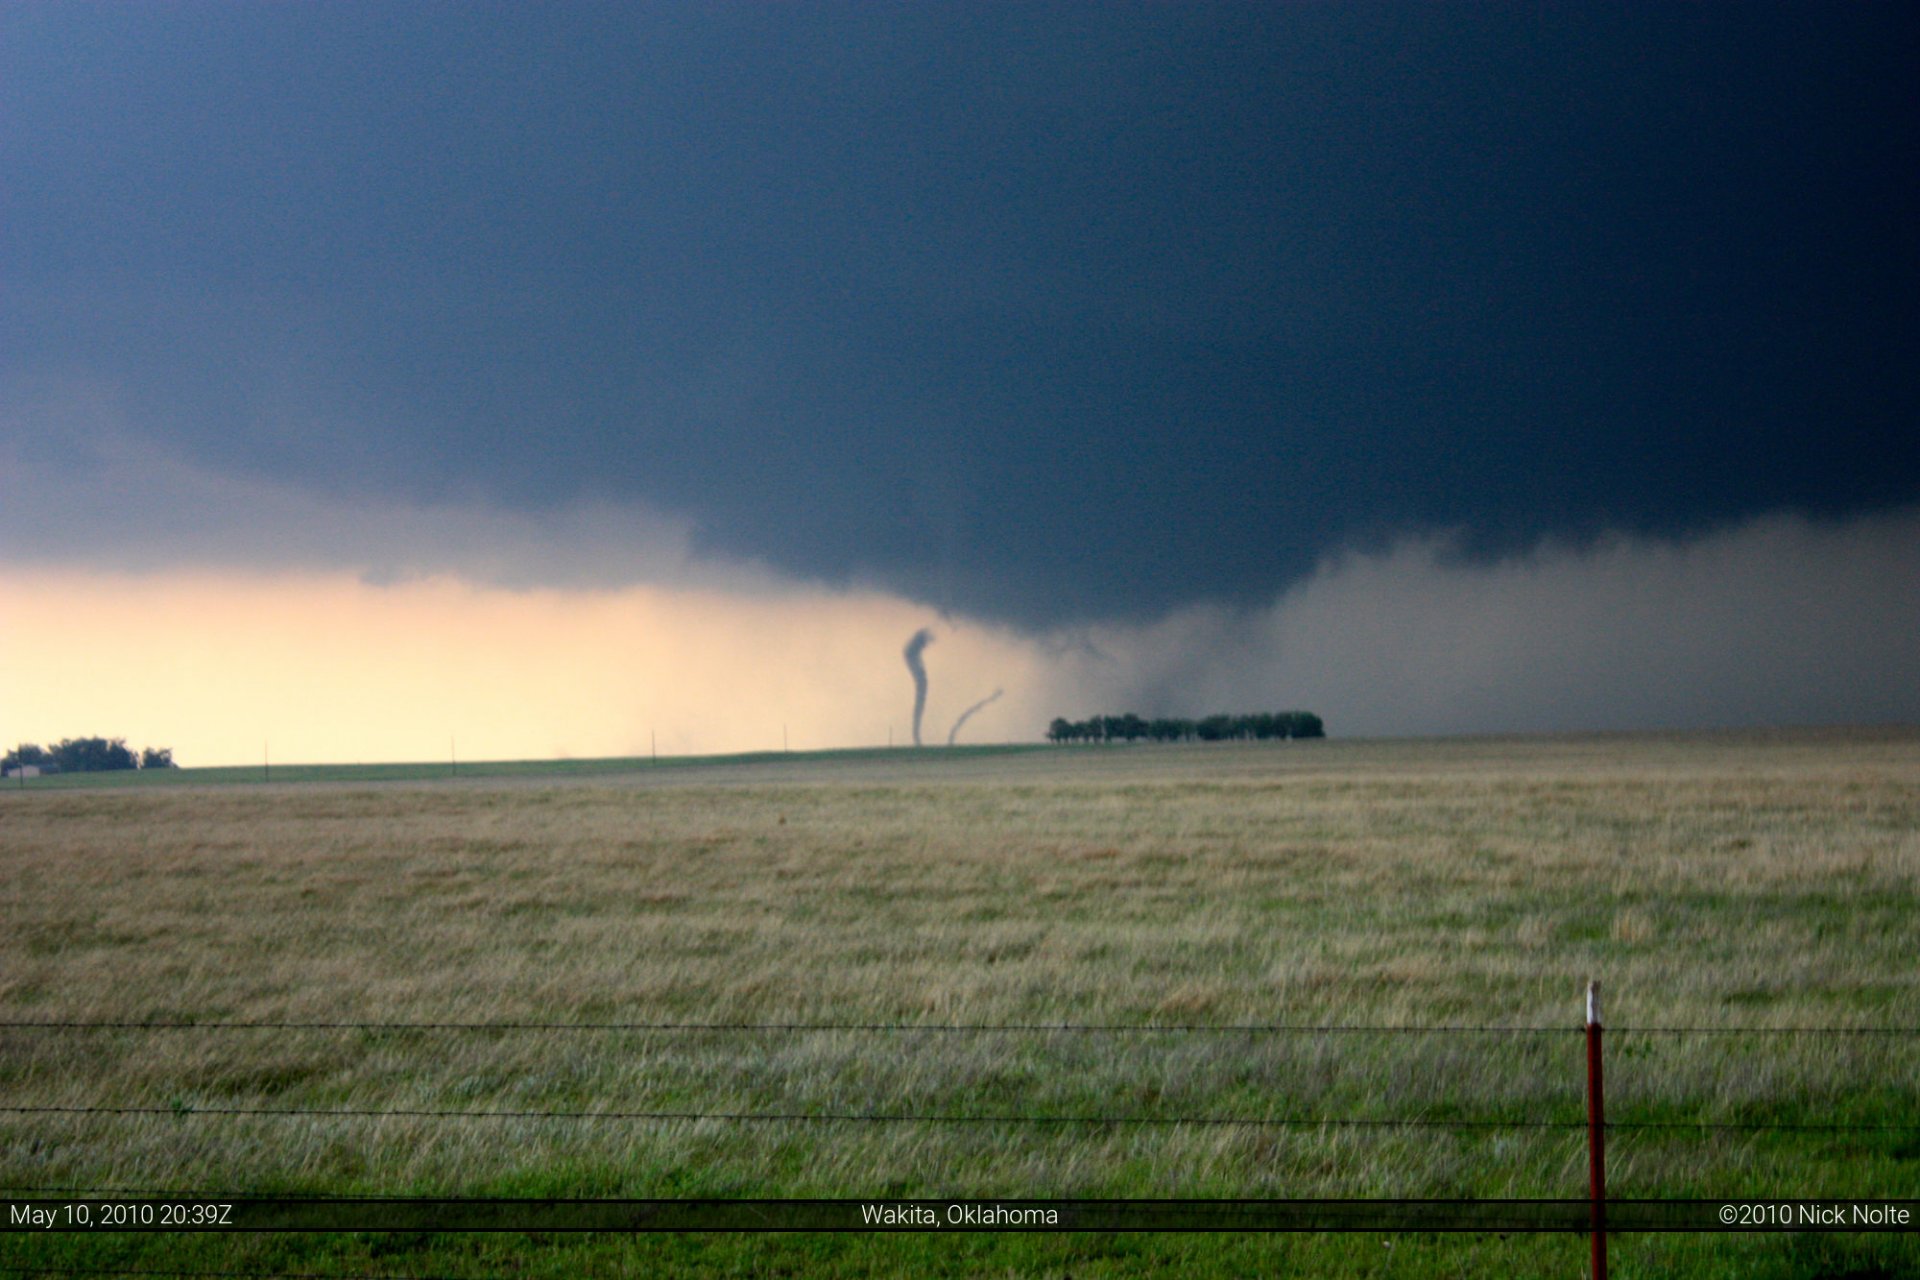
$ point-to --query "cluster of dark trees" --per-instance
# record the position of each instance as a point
(86, 755)
(1220, 728)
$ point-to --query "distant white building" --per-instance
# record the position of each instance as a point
(24, 771)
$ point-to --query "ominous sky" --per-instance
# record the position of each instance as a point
(1438, 367)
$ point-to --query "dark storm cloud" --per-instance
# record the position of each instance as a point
(1045, 313)
(1773, 621)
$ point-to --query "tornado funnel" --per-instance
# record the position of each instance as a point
(968, 714)
(921, 639)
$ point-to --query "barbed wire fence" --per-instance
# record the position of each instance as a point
(1009, 1119)
(942, 1030)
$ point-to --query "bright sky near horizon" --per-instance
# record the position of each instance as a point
(554, 379)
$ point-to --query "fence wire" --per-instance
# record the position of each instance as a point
(1014, 1028)
(10, 1269)
(191, 1025)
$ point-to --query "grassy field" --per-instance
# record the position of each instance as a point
(1711, 881)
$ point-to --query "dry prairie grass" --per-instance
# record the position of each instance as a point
(1714, 880)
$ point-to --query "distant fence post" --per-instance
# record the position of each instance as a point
(1596, 1134)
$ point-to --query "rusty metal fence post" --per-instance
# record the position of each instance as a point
(1596, 1134)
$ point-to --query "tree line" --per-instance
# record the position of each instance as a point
(1261, 726)
(86, 755)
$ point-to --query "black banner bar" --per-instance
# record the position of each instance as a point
(187, 1213)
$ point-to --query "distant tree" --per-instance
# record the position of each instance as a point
(1305, 724)
(157, 758)
(27, 753)
(1215, 728)
(93, 755)
(1262, 726)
